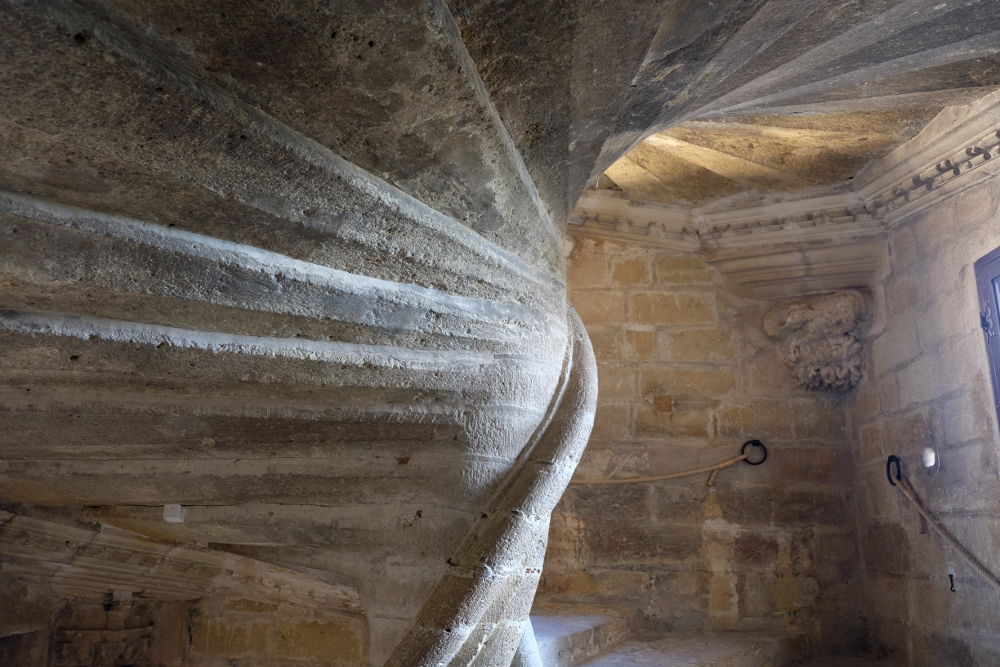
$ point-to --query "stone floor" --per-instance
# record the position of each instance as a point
(846, 662)
(572, 639)
(694, 650)
(712, 650)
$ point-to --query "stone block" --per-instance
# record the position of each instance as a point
(639, 344)
(837, 568)
(843, 633)
(683, 269)
(886, 548)
(966, 608)
(696, 345)
(888, 392)
(678, 502)
(745, 507)
(612, 422)
(599, 306)
(966, 419)
(961, 358)
(694, 422)
(605, 340)
(936, 649)
(802, 465)
(876, 498)
(792, 594)
(616, 384)
(624, 540)
(671, 308)
(223, 636)
(902, 296)
(935, 229)
(621, 583)
(631, 272)
(756, 594)
(897, 345)
(687, 382)
(903, 250)
(767, 373)
(587, 270)
(601, 457)
(818, 419)
(557, 582)
(677, 600)
(596, 503)
(976, 205)
(909, 432)
(755, 550)
(723, 601)
(336, 642)
(663, 403)
(810, 508)
(766, 419)
(889, 608)
(864, 402)
(922, 380)
(870, 447)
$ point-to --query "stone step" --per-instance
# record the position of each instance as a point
(572, 639)
(843, 661)
(699, 650)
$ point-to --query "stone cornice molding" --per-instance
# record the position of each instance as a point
(954, 152)
(614, 216)
(824, 217)
(828, 216)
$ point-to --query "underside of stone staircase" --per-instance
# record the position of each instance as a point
(288, 372)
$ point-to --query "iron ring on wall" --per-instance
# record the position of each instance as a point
(754, 443)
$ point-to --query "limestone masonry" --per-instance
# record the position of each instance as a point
(322, 325)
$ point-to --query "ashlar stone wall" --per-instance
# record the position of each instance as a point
(218, 630)
(687, 374)
(929, 386)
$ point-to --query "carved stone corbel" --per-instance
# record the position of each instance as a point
(821, 338)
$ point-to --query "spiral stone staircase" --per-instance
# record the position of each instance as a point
(282, 283)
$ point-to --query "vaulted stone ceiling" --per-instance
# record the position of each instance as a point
(800, 94)
(698, 161)
(298, 265)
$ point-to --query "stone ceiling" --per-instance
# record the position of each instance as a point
(699, 161)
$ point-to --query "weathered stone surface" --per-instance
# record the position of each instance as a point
(299, 269)
(697, 345)
(701, 392)
(667, 308)
(631, 272)
(821, 339)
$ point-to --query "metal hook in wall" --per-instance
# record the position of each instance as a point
(893, 460)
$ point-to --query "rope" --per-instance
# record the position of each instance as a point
(656, 478)
(904, 486)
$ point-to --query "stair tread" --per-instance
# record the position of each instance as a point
(841, 661)
(560, 625)
(570, 639)
(691, 650)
